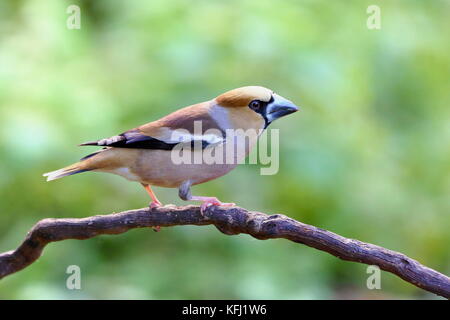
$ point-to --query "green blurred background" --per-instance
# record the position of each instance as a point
(368, 156)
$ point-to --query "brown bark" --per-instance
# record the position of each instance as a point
(229, 220)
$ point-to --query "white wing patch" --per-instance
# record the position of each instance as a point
(210, 136)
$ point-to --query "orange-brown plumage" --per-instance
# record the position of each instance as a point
(241, 97)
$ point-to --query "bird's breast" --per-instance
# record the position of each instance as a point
(168, 169)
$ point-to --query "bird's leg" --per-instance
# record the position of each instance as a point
(155, 202)
(185, 193)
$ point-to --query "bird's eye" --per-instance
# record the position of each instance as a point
(255, 105)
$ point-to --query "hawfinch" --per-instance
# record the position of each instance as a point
(150, 154)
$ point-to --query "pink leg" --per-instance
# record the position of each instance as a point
(210, 201)
(154, 204)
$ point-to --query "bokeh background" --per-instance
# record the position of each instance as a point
(367, 157)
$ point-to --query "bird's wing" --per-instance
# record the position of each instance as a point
(186, 125)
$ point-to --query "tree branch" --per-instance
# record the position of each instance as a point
(230, 221)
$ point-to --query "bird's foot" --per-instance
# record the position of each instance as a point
(155, 204)
(152, 205)
(212, 201)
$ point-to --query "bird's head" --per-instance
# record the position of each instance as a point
(257, 103)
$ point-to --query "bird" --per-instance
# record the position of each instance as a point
(146, 154)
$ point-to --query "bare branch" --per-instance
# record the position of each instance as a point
(230, 221)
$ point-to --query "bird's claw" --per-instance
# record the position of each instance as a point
(214, 202)
(155, 204)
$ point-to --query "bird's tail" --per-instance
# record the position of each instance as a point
(67, 171)
(85, 164)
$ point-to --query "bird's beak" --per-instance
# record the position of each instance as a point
(279, 107)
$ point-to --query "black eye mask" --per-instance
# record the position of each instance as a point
(262, 109)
